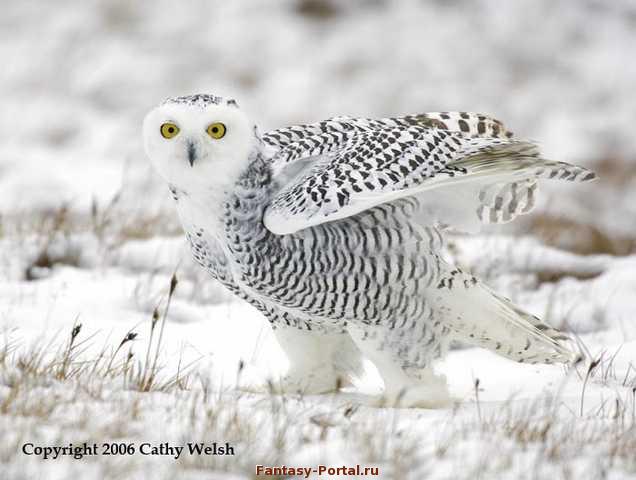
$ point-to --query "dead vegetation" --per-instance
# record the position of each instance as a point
(617, 178)
(66, 362)
(61, 236)
(50, 229)
(117, 396)
(584, 239)
(317, 10)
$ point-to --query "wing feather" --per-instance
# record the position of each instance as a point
(351, 165)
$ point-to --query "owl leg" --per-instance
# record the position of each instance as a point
(318, 362)
(406, 383)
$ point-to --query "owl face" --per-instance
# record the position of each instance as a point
(200, 142)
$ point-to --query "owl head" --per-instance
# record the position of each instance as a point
(198, 142)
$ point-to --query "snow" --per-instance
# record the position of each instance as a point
(88, 234)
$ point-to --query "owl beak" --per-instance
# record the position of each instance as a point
(192, 153)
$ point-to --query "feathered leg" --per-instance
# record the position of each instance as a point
(318, 362)
(406, 383)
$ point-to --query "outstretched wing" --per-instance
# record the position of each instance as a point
(350, 165)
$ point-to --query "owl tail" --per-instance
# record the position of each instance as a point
(480, 317)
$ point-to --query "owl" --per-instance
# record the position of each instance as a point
(334, 230)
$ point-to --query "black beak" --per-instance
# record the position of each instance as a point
(192, 153)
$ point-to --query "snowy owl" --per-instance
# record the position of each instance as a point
(335, 231)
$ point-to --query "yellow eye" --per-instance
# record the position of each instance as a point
(169, 130)
(216, 130)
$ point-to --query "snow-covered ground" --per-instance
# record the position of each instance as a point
(88, 236)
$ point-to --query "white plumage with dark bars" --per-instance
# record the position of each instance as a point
(335, 231)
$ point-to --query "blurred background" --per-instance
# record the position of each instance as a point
(78, 77)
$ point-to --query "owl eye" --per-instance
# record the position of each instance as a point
(169, 130)
(216, 130)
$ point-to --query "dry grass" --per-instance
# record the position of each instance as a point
(59, 236)
(67, 362)
(617, 176)
(583, 239)
(55, 396)
(317, 10)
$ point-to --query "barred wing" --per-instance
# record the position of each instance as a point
(351, 165)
